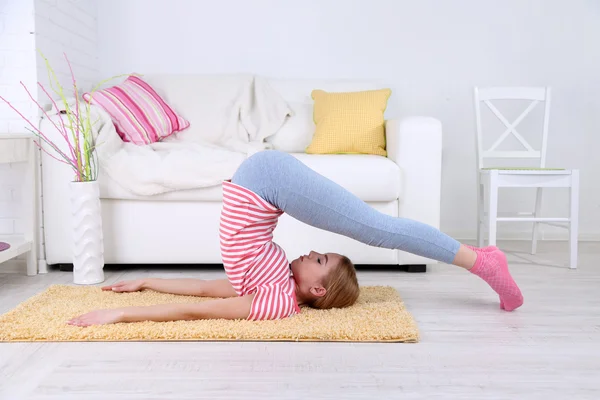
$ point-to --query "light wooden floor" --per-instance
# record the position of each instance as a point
(470, 349)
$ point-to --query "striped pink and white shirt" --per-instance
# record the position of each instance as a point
(253, 262)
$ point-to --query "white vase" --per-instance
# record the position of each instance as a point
(88, 244)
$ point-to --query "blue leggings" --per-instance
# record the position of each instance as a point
(297, 190)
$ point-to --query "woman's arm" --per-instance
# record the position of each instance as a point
(189, 287)
(192, 287)
(230, 308)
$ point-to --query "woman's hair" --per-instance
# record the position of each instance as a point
(341, 285)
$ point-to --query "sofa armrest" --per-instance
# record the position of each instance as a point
(415, 145)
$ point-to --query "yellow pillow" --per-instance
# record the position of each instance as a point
(349, 122)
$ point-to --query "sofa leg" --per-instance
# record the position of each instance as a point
(415, 268)
(65, 267)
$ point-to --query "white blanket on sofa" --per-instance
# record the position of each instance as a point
(182, 162)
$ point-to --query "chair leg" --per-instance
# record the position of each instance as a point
(574, 216)
(536, 213)
(492, 208)
(480, 216)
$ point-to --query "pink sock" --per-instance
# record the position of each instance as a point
(484, 249)
(492, 267)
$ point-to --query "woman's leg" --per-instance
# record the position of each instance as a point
(304, 194)
(291, 186)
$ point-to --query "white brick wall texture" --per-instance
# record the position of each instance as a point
(53, 27)
(70, 27)
(17, 63)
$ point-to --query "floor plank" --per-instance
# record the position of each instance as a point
(470, 349)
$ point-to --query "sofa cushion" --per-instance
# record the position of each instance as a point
(207, 101)
(111, 190)
(349, 122)
(297, 131)
(299, 128)
(140, 115)
(371, 178)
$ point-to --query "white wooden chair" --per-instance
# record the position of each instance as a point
(517, 176)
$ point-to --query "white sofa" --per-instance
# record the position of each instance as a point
(182, 227)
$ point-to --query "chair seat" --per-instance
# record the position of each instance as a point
(526, 171)
(533, 178)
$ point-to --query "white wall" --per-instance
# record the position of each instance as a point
(17, 63)
(53, 27)
(430, 52)
(67, 27)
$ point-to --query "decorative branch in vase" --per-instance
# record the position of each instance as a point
(76, 149)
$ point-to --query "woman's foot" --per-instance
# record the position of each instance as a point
(492, 267)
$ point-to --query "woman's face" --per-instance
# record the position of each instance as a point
(312, 269)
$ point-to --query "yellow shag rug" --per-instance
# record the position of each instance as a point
(378, 316)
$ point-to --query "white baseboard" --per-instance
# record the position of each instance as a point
(18, 265)
(525, 235)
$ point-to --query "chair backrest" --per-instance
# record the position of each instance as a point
(535, 95)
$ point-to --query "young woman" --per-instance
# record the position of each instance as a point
(262, 284)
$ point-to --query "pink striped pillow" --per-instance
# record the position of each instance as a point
(140, 115)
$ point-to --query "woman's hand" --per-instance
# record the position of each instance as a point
(126, 286)
(98, 317)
